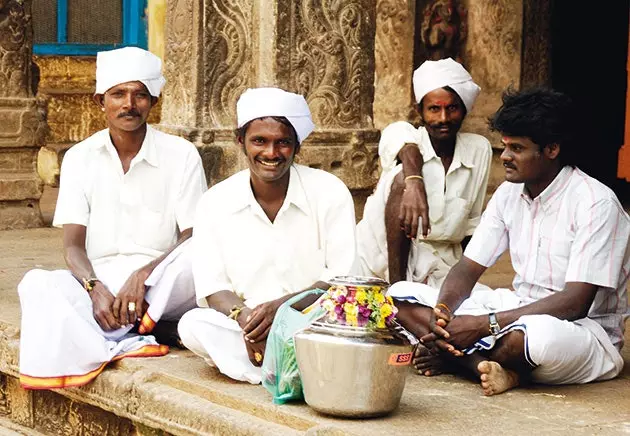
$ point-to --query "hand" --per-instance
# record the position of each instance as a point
(255, 349)
(259, 322)
(102, 301)
(465, 330)
(438, 340)
(414, 205)
(132, 292)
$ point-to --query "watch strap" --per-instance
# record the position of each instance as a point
(494, 326)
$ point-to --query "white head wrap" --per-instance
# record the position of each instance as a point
(128, 64)
(432, 75)
(275, 102)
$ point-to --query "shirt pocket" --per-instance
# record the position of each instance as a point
(153, 224)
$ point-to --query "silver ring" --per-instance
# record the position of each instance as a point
(131, 307)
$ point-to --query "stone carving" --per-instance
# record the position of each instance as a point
(180, 68)
(227, 59)
(444, 29)
(536, 68)
(394, 55)
(15, 48)
(325, 51)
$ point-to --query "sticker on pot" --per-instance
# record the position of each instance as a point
(399, 359)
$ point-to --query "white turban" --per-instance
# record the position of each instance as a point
(128, 64)
(432, 75)
(274, 102)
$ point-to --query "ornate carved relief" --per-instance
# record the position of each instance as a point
(393, 58)
(180, 64)
(227, 58)
(15, 48)
(536, 68)
(325, 51)
(444, 29)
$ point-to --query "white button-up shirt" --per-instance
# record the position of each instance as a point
(134, 214)
(455, 199)
(574, 231)
(237, 248)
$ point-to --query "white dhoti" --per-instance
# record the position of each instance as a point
(219, 340)
(429, 259)
(561, 352)
(62, 345)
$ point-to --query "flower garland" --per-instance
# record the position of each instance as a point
(359, 306)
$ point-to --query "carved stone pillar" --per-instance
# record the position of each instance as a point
(323, 49)
(22, 120)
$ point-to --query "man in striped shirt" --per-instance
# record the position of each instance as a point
(568, 239)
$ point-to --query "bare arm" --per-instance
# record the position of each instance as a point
(81, 268)
(414, 203)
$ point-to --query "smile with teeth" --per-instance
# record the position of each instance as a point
(271, 164)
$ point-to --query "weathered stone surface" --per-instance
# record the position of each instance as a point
(492, 56)
(19, 215)
(48, 166)
(20, 402)
(394, 56)
(22, 119)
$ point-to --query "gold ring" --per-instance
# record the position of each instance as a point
(258, 357)
(131, 307)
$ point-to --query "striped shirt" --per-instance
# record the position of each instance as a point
(574, 231)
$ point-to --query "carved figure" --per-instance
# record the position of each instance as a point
(444, 29)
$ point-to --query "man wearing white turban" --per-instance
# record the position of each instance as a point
(264, 235)
(126, 204)
(433, 183)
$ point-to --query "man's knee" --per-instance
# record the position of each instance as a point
(35, 283)
(550, 340)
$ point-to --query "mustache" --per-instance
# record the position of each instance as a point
(506, 165)
(131, 113)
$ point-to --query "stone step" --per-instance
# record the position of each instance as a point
(18, 186)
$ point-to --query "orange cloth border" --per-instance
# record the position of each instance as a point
(146, 325)
(67, 381)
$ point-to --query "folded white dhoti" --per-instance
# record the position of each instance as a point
(219, 340)
(561, 352)
(62, 345)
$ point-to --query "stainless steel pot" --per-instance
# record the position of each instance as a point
(352, 371)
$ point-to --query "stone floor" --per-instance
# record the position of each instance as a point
(179, 393)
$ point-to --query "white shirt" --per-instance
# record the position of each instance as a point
(133, 214)
(455, 201)
(455, 197)
(574, 231)
(237, 248)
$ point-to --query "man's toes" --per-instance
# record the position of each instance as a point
(484, 367)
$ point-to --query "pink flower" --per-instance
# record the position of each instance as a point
(341, 299)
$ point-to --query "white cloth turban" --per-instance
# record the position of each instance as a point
(274, 102)
(128, 64)
(432, 75)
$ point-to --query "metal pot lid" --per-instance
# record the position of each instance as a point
(358, 281)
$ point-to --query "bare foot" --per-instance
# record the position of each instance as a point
(495, 379)
(427, 363)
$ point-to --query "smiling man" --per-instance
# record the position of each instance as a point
(433, 183)
(126, 204)
(263, 235)
(568, 239)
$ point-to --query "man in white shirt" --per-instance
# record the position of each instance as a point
(568, 239)
(126, 204)
(263, 235)
(434, 175)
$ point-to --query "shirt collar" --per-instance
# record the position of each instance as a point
(244, 195)
(462, 156)
(148, 151)
(552, 191)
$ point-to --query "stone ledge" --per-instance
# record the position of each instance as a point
(20, 186)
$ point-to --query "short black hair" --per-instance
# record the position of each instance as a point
(543, 115)
(452, 91)
(241, 131)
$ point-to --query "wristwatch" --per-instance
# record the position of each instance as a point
(89, 283)
(495, 328)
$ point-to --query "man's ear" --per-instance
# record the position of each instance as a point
(99, 99)
(154, 101)
(552, 151)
